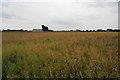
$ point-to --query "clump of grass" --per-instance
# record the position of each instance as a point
(60, 55)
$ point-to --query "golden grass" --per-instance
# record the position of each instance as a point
(60, 55)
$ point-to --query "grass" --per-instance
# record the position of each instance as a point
(60, 55)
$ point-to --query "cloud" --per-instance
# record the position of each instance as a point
(10, 16)
(60, 0)
(64, 15)
(106, 0)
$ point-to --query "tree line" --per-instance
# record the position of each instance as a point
(45, 28)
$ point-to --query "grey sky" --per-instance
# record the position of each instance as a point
(72, 14)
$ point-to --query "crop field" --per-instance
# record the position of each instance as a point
(60, 55)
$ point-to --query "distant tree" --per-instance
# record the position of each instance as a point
(26, 30)
(99, 30)
(21, 29)
(90, 30)
(44, 28)
(78, 30)
(109, 30)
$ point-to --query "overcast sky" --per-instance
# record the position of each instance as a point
(59, 14)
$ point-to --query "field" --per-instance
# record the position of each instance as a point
(60, 55)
